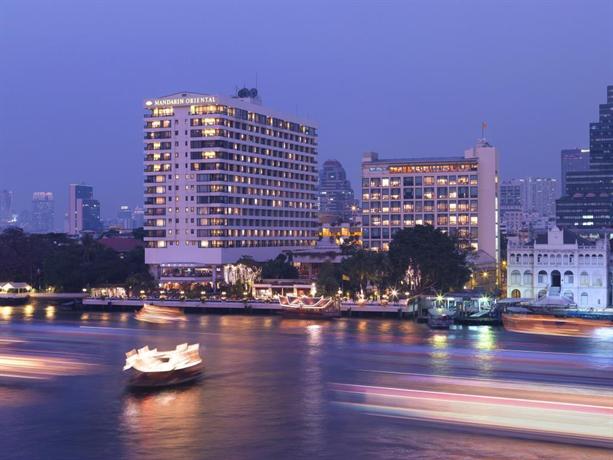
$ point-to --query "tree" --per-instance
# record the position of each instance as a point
(426, 259)
(366, 269)
(279, 268)
(328, 280)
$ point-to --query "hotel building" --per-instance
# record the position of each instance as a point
(458, 195)
(225, 177)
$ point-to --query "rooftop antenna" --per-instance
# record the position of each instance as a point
(483, 129)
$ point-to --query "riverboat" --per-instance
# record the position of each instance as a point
(151, 368)
(159, 315)
(309, 307)
(574, 324)
(440, 318)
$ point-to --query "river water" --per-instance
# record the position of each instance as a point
(281, 388)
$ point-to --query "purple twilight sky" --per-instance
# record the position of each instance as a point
(404, 78)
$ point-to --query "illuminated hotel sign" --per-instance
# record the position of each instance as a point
(453, 167)
(181, 101)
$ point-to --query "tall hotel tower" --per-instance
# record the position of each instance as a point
(458, 195)
(224, 178)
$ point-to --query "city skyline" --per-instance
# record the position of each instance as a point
(422, 95)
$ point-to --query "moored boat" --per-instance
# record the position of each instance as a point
(309, 307)
(152, 368)
(440, 318)
(159, 315)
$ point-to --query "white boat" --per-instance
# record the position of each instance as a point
(153, 368)
(159, 315)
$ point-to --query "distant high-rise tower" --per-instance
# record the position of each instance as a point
(83, 210)
(588, 200)
(6, 207)
(573, 160)
(43, 212)
(336, 196)
(124, 217)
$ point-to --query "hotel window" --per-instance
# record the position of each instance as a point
(395, 194)
(395, 219)
(395, 206)
(453, 180)
(385, 182)
(442, 192)
(463, 180)
(408, 220)
(429, 180)
(395, 182)
(473, 180)
(474, 220)
(407, 181)
(385, 219)
(418, 180)
(442, 220)
(441, 180)
(408, 207)
(428, 206)
(385, 233)
(442, 206)
(408, 194)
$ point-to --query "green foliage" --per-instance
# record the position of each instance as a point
(366, 270)
(328, 280)
(279, 268)
(432, 254)
(67, 264)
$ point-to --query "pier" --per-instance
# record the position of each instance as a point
(242, 307)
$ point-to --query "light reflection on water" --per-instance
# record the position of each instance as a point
(266, 388)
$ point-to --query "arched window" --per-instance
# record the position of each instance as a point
(571, 258)
(542, 277)
(569, 277)
(594, 259)
(516, 293)
(539, 258)
(516, 277)
(545, 259)
(598, 281)
(580, 259)
(565, 259)
(525, 259)
(600, 259)
(527, 278)
(584, 279)
(584, 299)
(559, 259)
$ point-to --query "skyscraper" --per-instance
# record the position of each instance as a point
(43, 213)
(124, 217)
(588, 202)
(512, 198)
(6, 207)
(225, 177)
(336, 196)
(573, 160)
(459, 195)
(83, 210)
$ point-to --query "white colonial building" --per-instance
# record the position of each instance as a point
(560, 264)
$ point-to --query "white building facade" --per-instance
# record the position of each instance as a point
(225, 177)
(559, 264)
(458, 195)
